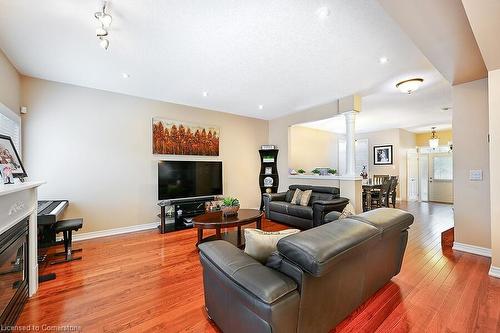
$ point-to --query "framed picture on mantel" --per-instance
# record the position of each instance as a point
(382, 155)
(172, 137)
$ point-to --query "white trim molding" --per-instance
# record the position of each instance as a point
(113, 232)
(494, 271)
(481, 251)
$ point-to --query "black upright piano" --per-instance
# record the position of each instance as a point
(49, 212)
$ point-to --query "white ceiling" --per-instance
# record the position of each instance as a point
(278, 54)
(386, 108)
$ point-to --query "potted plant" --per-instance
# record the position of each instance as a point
(230, 206)
(332, 171)
(301, 171)
(316, 172)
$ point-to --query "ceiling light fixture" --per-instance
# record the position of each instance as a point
(409, 86)
(323, 12)
(205, 94)
(125, 75)
(101, 32)
(383, 60)
(261, 107)
(434, 140)
(105, 20)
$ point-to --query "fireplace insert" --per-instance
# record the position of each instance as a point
(13, 272)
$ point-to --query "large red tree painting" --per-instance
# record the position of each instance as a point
(179, 138)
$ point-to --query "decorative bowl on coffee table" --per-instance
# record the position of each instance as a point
(230, 210)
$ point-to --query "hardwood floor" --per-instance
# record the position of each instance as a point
(147, 282)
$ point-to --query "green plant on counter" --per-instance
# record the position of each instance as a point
(301, 171)
(332, 171)
(230, 202)
(316, 171)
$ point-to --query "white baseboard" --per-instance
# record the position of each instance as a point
(494, 271)
(113, 232)
(482, 251)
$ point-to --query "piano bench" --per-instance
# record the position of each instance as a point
(67, 227)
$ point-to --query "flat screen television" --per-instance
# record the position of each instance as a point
(188, 179)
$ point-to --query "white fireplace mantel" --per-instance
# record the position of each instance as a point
(17, 202)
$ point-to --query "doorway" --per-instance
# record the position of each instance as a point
(441, 177)
(430, 174)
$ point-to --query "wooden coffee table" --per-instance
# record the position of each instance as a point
(217, 221)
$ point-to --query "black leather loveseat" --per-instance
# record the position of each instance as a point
(315, 279)
(323, 200)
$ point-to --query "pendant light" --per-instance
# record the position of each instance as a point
(434, 140)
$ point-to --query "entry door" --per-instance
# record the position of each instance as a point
(441, 177)
(412, 167)
(423, 176)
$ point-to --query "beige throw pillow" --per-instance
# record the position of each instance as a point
(261, 244)
(296, 197)
(348, 211)
(306, 196)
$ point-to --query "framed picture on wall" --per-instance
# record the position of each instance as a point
(382, 155)
(10, 163)
(172, 137)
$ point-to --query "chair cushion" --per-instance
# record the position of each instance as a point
(304, 212)
(71, 224)
(261, 244)
(279, 206)
(317, 196)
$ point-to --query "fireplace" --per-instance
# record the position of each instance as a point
(13, 272)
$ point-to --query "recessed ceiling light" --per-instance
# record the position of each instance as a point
(205, 93)
(383, 60)
(125, 75)
(409, 86)
(323, 12)
(261, 107)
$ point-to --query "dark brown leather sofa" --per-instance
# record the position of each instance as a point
(315, 279)
(323, 200)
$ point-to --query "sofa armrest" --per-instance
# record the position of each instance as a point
(323, 207)
(332, 216)
(264, 283)
(268, 197)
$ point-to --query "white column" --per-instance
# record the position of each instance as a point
(350, 125)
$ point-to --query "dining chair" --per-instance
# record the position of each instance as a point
(381, 198)
(378, 179)
(393, 190)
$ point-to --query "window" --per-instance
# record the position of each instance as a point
(443, 168)
(9, 125)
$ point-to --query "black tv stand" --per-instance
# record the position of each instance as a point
(184, 211)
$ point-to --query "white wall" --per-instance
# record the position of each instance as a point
(407, 141)
(494, 129)
(311, 148)
(10, 90)
(381, 138)
(279, 134)
(94, 149)
(470, 152)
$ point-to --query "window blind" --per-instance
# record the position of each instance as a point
(10, 128)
